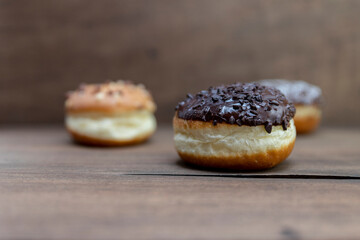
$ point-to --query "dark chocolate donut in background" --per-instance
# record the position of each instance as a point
(306, 98)
(242, 126)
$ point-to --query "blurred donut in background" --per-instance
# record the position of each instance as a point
(306, 98)
(110, 114)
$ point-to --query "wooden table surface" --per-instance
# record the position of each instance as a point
(51, 188)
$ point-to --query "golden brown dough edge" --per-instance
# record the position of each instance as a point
(192, 124)
(258, 161)
(306, 124)
(107, 143)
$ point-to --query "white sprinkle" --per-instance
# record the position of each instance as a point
(100, 96)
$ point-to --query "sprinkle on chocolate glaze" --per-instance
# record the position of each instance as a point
(248, 104)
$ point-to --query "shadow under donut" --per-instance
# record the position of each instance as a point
(282, 167)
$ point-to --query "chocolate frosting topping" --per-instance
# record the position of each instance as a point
(248, 104)
(298, 92)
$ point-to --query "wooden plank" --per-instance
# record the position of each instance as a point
(56, 205)
(175, 47)
(327, 153)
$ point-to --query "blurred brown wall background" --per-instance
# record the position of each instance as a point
(48, 47)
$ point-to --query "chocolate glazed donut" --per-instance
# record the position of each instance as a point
(238, 126)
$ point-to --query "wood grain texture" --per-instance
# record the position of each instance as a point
(328, 153)
(53, 189)
(175, 47)
(57, 205)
